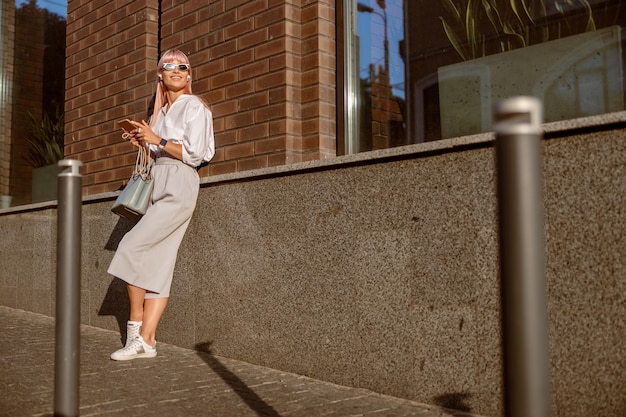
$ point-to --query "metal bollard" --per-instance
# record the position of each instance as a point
(67, 345)
(517, 124)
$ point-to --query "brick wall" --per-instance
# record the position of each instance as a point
(7, 38)
(266, 67)
(111, 49)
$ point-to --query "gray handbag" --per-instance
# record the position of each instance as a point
(134, 199)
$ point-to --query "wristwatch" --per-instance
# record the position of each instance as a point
(162, 143)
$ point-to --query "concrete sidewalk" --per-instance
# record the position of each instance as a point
(178, 382)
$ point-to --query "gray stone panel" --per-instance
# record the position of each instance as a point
(379, 271)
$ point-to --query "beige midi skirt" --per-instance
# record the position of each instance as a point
(147, 254)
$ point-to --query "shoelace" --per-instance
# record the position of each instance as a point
(132, 332)
(134, 345)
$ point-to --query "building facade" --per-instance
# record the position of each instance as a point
(347, 227)
(294, 81)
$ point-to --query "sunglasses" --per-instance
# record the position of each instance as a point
(171, 67)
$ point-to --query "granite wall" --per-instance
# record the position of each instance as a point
(377, 271)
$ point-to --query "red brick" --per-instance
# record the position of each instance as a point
(272, 47)
(254, 101)
(236, 3)
(184, 22)
(271, 112)
(276, 159)
(239, 29)
(239, 151)
(194, 5)
(222, 168)
(239, 119)
(285, 60)
(251, 8)
(224, 79)
(199, 30)
(254, 69)
(257, 37)
(248, 164)
(215, 96)
(219, 156)
(222, 20)
(268, 17)
(255, 132)
(223, 49)
(240, 89)
(215, 9)
(240, 58)
(285, 126)
(271, 80)
(226, 138)
(270, 145)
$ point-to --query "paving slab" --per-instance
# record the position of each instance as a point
(178, 382)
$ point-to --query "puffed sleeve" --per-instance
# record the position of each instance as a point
(198, 138)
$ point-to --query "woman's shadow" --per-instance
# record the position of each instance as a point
(116, 302)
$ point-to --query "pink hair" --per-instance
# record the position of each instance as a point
(160, 98)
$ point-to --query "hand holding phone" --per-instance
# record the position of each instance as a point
(126, 125)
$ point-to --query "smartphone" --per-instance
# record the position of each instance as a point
(126, 125)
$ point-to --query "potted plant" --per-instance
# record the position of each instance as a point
(46, 140)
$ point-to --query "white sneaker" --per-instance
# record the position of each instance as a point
(137, 348)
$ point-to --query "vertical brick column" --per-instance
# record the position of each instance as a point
(319, 80)
(112, 49)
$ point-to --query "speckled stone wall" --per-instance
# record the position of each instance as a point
(379, 272)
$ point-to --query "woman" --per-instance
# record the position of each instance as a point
(180, 137)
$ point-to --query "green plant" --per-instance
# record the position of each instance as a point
(46, 139)
(477, 28)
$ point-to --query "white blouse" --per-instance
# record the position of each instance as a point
(190, 123)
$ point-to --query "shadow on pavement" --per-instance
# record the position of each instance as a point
(253, 401)
(454, 401)
(117, 304)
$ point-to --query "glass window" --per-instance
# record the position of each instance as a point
(423, 70)
(32, 88)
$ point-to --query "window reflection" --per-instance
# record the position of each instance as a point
(31, 99)
(431, 69)
(382, 80)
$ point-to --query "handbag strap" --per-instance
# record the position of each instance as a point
(144, 162)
